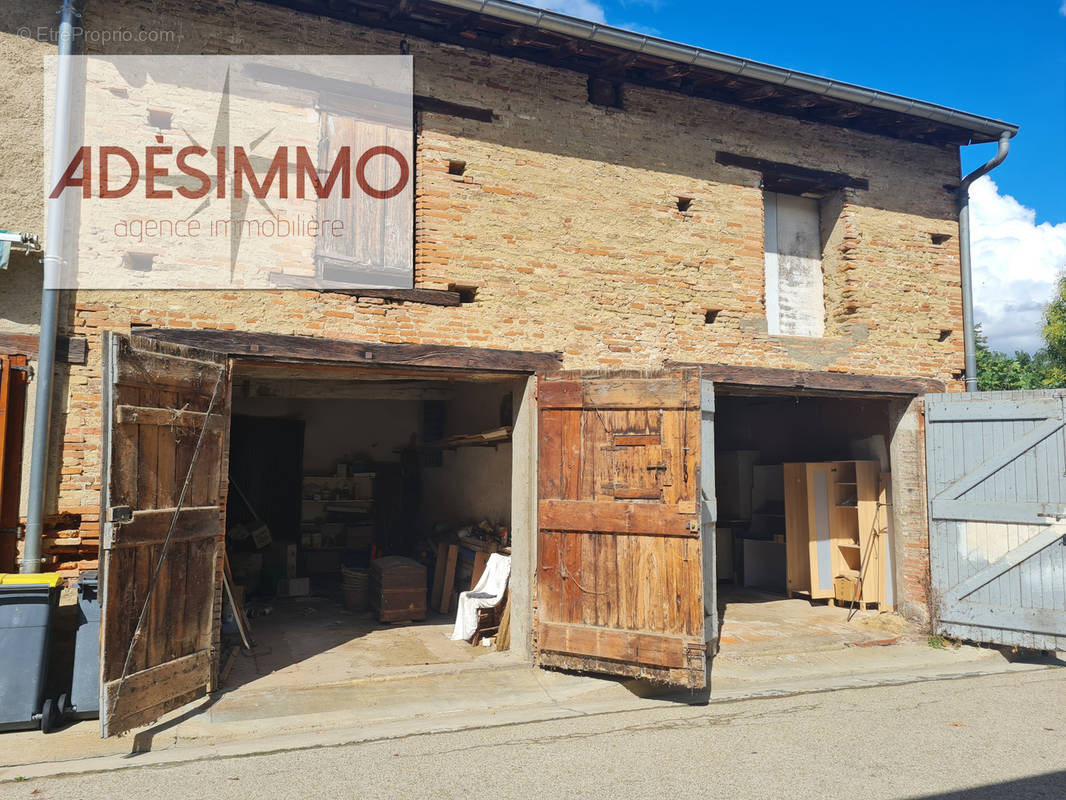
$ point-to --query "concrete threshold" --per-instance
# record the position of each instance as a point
(255, 723)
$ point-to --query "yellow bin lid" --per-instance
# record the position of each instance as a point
(47, 578)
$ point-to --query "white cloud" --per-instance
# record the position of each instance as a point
(1015, 265)
(583, 9)
(1062, 8)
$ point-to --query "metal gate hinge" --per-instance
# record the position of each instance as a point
(118, 515)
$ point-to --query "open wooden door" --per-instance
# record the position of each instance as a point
(165, 421)
(619, 564)
(14, 376)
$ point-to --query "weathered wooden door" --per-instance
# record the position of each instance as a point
(997, 503)
(619, 565)
(13, 380)
(165, 421)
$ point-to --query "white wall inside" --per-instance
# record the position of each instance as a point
(473, 483)
(338, 428)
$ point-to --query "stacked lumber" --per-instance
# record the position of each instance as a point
(70, 543)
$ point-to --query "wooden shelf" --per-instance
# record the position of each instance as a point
(483, 439)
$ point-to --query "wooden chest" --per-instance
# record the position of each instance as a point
(398, 589)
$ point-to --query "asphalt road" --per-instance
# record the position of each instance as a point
(991, 737)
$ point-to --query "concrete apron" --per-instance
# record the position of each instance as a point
(494, 690)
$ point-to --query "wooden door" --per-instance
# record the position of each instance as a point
(996, 464)
(13, 379)
(619, 565)
(166, 416)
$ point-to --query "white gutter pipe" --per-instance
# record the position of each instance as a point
(968, 332)
(53, 257)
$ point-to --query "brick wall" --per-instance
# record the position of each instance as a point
(566, 222)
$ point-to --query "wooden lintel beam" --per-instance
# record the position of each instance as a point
(430, 297)
(813, 381)
(792, 172)
(69, 349)
(308, 348)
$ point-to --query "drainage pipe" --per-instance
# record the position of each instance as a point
(969, 336)
(53, 243)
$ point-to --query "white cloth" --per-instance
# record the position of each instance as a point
(488, 591)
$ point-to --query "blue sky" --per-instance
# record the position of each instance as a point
(991, 58)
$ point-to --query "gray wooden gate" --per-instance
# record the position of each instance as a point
(996, 466)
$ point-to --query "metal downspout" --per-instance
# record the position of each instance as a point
(969, 336)
(42, 417)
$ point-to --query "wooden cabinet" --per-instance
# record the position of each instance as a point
(835, 530)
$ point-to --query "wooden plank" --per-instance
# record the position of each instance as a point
(615, 517)
(150, 526)
(166, 417)
(779, 170)
(155, 371)
(13, 382)
(147, 458)
(438, 575)
(983, 410)
(480, 560)
(675, 676)
(634, 440)
(428, 297)
(797, 531)
(621, 493)
(726, 376)
(559, 394)
(659, 393)
(435, 105)
(1051, 622)
(145, 692)
(270, 345)
(69, 349)
(615, 645)
(448, 587)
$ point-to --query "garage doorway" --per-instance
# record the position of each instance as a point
(803, 537)
(333, 468)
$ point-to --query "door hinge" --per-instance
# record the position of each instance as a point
(696, 663)
(118, 515)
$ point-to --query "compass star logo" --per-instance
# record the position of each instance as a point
(287, 172)
(238, 206)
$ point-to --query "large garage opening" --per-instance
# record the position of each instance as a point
(803, 537)
(368, 511)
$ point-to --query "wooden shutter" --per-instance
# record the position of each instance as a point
(376, 249)
(996, 466)
(156, 399)
(619, 565)
(13, 379)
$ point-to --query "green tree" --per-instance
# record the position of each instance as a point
(1054, 352)
(999, 372)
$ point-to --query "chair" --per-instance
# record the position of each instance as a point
(488, 595)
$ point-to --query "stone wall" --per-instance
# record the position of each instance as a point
(565, 222)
